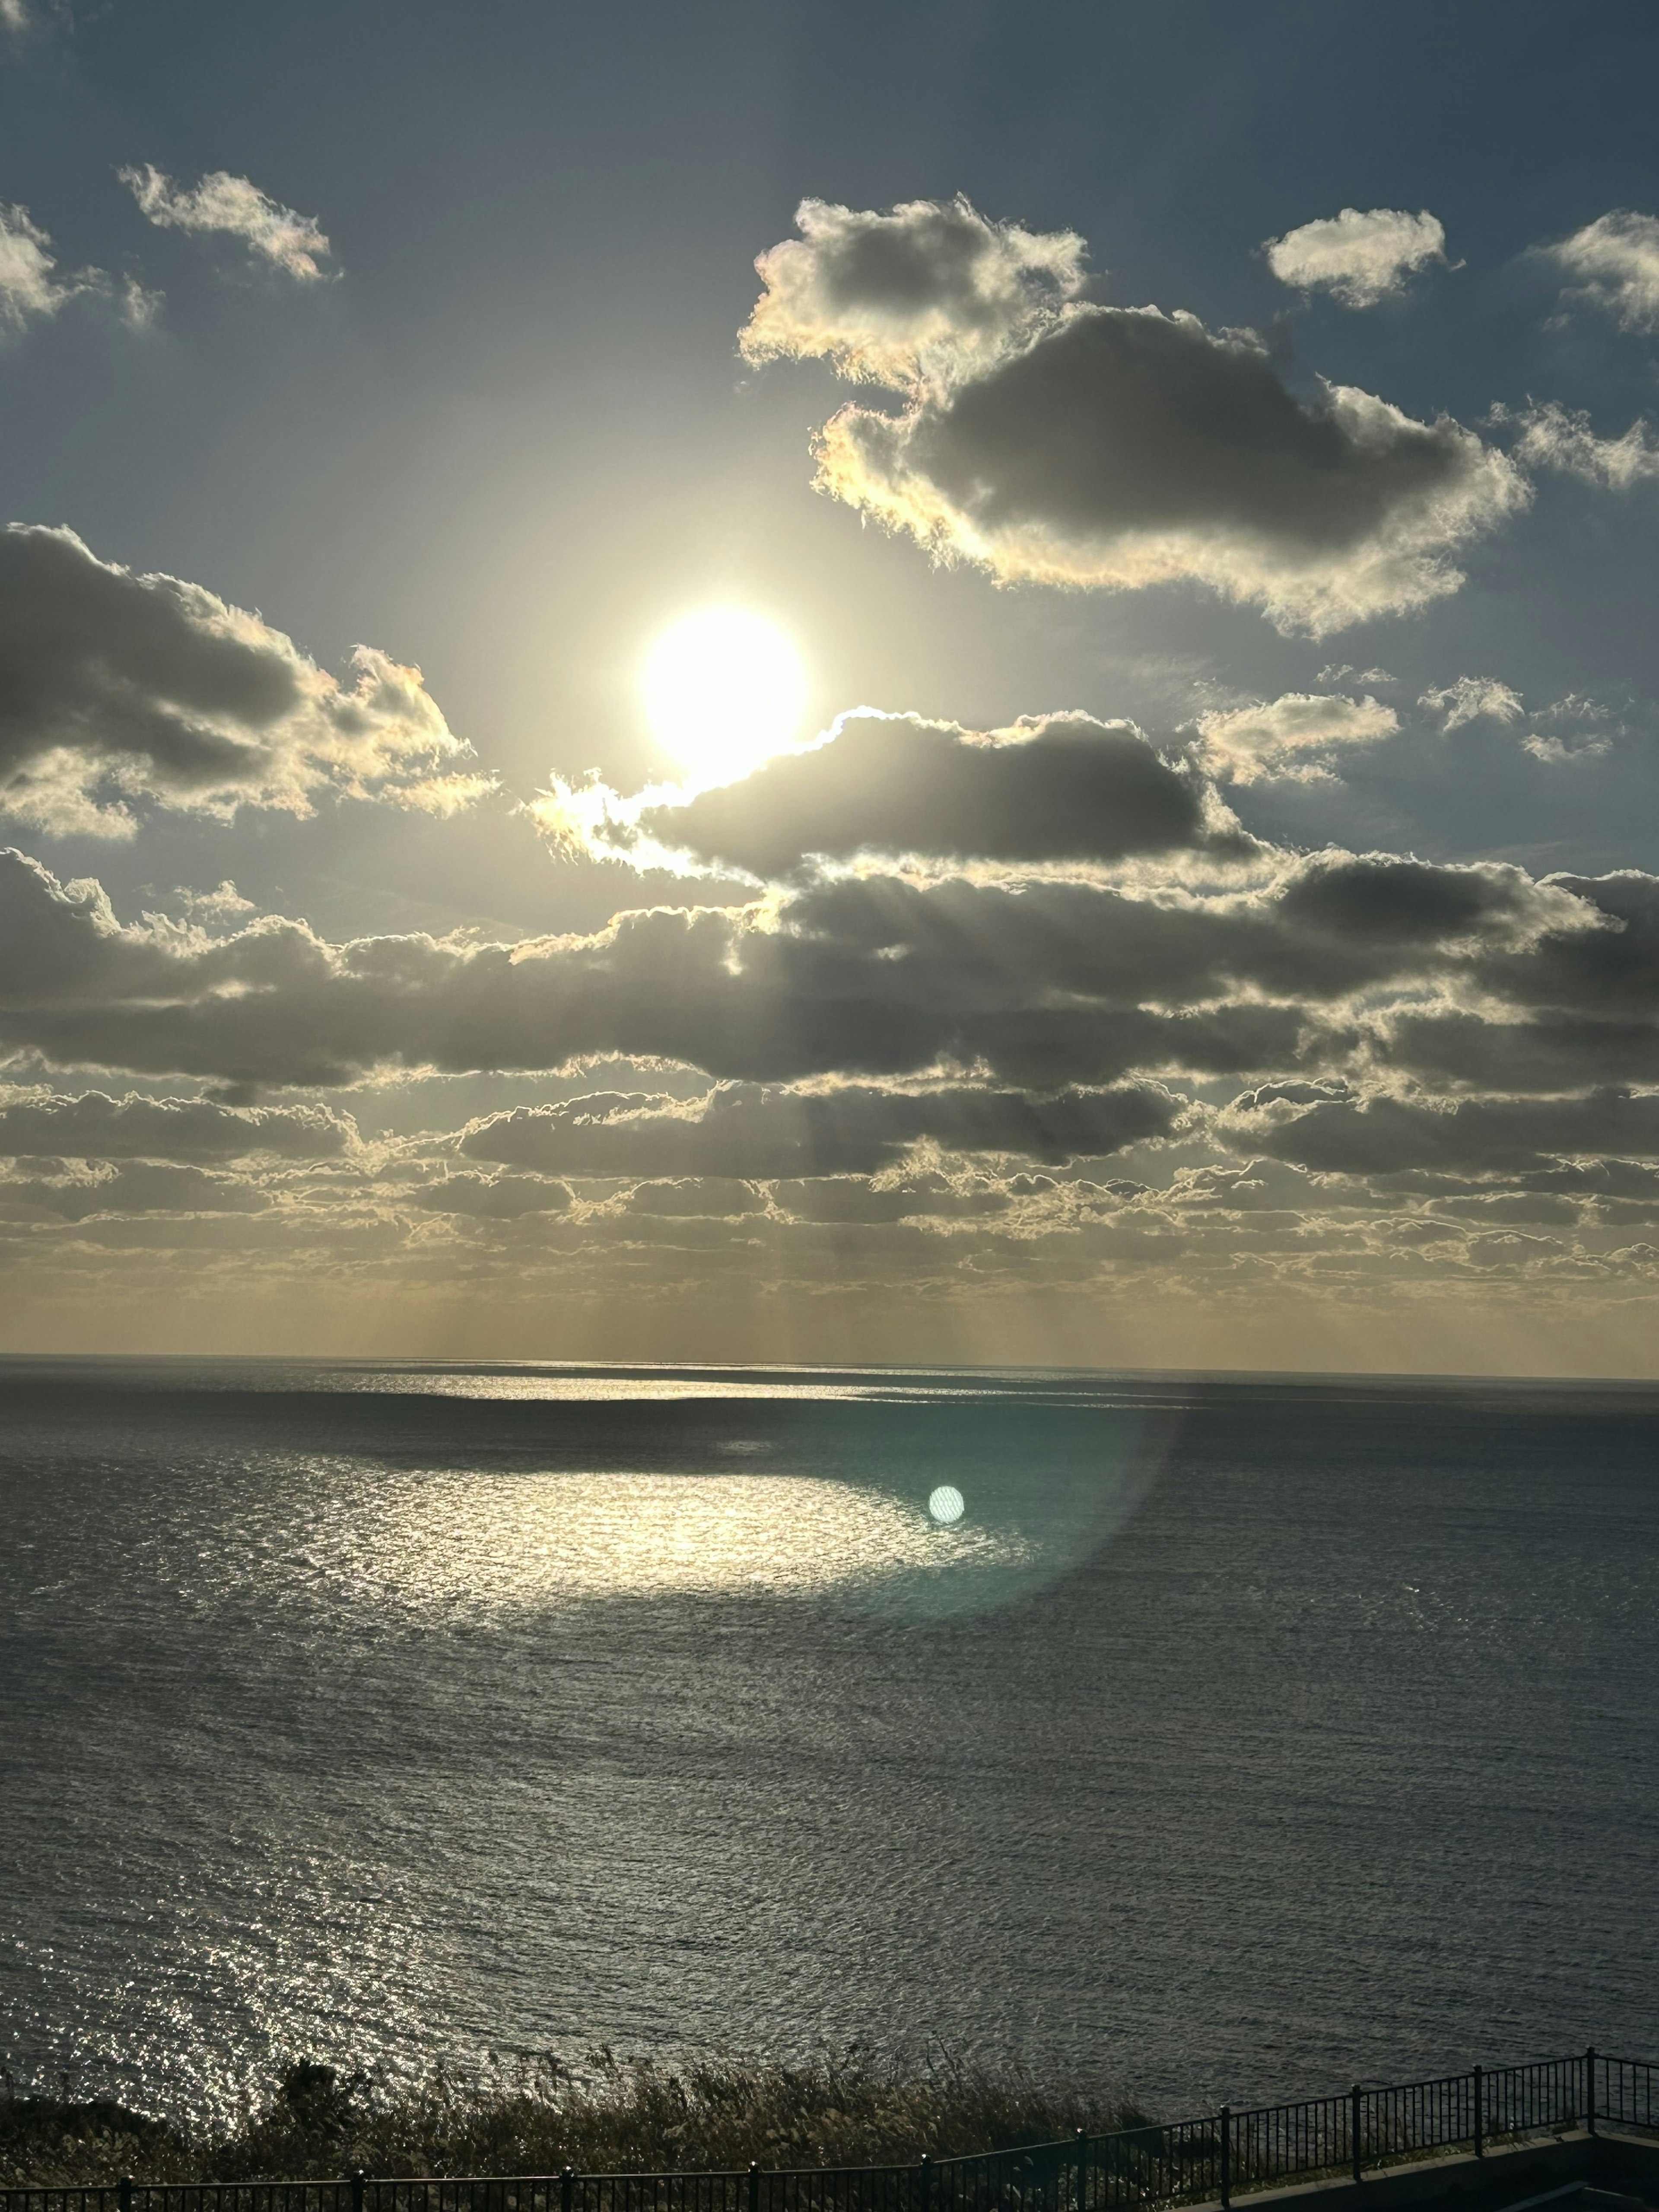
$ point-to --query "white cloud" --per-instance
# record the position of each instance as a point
(234, 208)
(1552, 436)
(1471, 698)
(115, 686)
(1053, 441)
(1359, 258)
(1613, 263)
(226, 903)
(1293, 736)
(1556, 753)
(29, 286)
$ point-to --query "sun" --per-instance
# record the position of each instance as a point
(724, 689)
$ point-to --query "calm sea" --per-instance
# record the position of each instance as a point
(1238, 1738)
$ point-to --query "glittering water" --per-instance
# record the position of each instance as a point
(1232, 1739)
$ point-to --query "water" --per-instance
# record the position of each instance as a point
(1237, 1739)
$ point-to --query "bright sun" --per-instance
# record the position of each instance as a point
(724, 690)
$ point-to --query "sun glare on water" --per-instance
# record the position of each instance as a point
(724, 689)
(489, 1542)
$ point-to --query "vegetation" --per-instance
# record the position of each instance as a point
(846, 2110)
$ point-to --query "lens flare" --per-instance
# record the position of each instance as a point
(724, 689)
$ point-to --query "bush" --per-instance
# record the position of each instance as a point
(852, 2108)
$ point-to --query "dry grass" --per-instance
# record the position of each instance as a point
(849, 2109)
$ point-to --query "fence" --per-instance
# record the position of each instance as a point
(1170, 2163)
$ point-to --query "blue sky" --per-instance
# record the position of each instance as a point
(500, 429)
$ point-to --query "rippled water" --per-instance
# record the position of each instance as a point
(1236, 1738)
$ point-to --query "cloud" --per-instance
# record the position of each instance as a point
(748, 1130)
(1479, 1136)
(922, 293)
(224, 904)
(1556, 437)
(92, 1125)
(1556, 752)
(1038, 984)
(117, 686)
(1614, 969)
(1294, 737)
(150, 1187)
(490, 1198)
(719, 1197)
(1359, 258)
(1558, 1051)
(29, 287)
(234, 207)
(1472, 698)
(1613, 263)
(1116, 448)
(1054, 788)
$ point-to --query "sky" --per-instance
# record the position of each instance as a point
(766, 682)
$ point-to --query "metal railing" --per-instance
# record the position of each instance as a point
(1175, 2162)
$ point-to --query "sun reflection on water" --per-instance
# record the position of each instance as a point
(510, 1540)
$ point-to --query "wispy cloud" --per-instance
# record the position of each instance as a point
(1552, 436)
(30, 287)
(1613, 263)
(1295, 738)
(1472, 699)
(232, 207)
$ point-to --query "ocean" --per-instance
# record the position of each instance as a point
(1207, 1738)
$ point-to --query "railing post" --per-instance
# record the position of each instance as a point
(754, 2186)
(1226, 2156)
(567, 2190)
(1353, 2132)
(924, 2182)
(1589, 2089)
(1082, 2170)
(123, 2193)
(1479, 2111)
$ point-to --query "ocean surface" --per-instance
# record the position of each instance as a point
(1238, 1738)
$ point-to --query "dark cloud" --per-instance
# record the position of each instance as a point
(931, 1195)
(144, 1187)
(1472, 1136)
(1040, 982)
(1380, 898)
(1614, 969)
(1119, 447)
(747, 1130)
(1555, 1053)
(1059, 788)
(488, 1198)
(721, 1197)
(94, 1126)
(114, 685)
